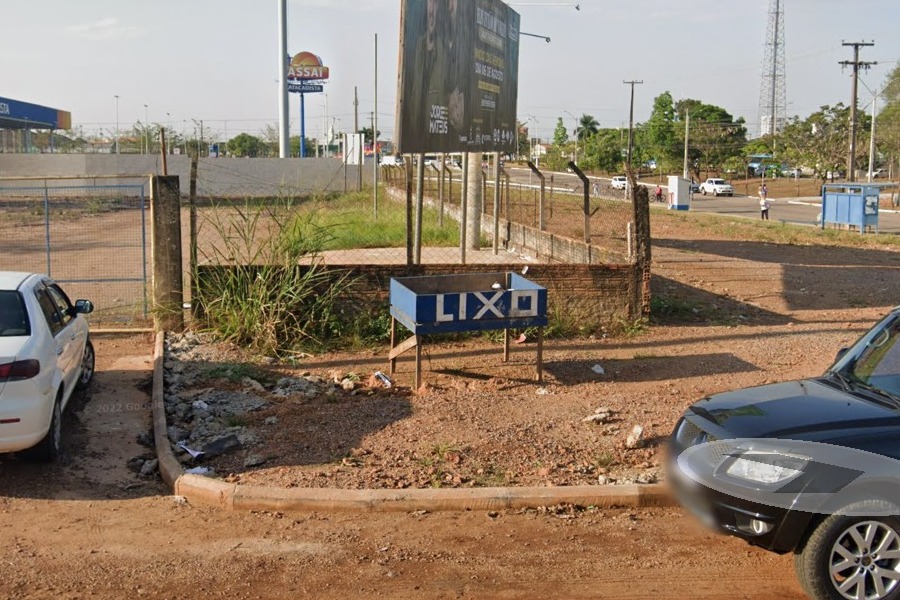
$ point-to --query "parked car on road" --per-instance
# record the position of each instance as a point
(619, 182)
(810, 467)
(716, 187)
(45, 354)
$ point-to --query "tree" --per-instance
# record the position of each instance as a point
(715, 135)
(587, 126)
(245, 145)
(887, 133)
(560, 134)
(367, 134)
(659, 134)
(602, 151)
(522, 143)
(820, 142)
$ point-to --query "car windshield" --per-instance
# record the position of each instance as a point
(874, 361)
(718, 181)
(13, 319)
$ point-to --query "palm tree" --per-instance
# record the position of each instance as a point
(587, 126)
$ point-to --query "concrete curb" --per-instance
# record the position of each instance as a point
(232, 496)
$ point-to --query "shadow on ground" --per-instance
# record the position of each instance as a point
(806, 277)
(642, 369)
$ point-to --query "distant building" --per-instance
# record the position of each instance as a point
(18, 121)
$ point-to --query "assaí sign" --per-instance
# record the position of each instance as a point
(306, 66)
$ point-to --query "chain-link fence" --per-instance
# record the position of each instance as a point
(91, 235)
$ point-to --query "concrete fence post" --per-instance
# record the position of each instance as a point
(168, 287)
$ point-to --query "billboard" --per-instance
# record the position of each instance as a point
(458, 76)
(306, 73)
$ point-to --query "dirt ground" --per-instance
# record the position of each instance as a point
(728, 314)
(734, 314)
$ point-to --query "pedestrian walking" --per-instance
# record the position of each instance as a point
(764, 202)
(596, 188)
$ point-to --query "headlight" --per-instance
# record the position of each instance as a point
(766, 468)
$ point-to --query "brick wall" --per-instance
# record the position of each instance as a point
(581, 296)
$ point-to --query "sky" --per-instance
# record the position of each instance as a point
(177, 62)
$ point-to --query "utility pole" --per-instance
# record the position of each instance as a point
(857, 65)
(631, 122)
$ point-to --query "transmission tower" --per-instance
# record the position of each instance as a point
(772, 90)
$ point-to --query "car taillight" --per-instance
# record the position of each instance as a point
(19, 370)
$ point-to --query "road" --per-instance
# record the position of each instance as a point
(801, 211)
(89, 527)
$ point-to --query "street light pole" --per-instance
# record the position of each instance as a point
(117, 123)
(147, 128)
(575, 133)
(872, 138)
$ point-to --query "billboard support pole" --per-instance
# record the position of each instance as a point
(420, 194)
(302, 125)
(496, 203)
(407, 180)
(442, 158)
(463, 201)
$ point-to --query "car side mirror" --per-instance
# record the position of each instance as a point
(84, 307)
(840, 354)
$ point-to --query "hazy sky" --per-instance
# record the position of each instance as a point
(216, 60)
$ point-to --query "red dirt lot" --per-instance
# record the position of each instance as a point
(740, 313)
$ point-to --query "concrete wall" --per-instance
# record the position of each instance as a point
(217, 177)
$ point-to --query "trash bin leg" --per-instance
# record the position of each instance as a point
(506, 345)
(540, 355)
(393, 361)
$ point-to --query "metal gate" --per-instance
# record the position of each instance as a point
(89, 234)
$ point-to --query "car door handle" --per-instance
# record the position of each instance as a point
(59, 351)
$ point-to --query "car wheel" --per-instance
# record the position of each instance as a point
(703, 191)
(852, 557)
(48, 448)
(716, 194)
(87, 367)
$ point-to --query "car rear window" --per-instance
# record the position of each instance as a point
(13, 317)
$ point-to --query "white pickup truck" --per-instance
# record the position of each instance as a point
(716, 187)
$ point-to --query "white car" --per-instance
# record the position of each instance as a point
(716, 187)
(619, 182)
(45, 354)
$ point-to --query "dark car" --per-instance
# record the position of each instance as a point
(810, 467)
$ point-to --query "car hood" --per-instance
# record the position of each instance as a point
(808, 409)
